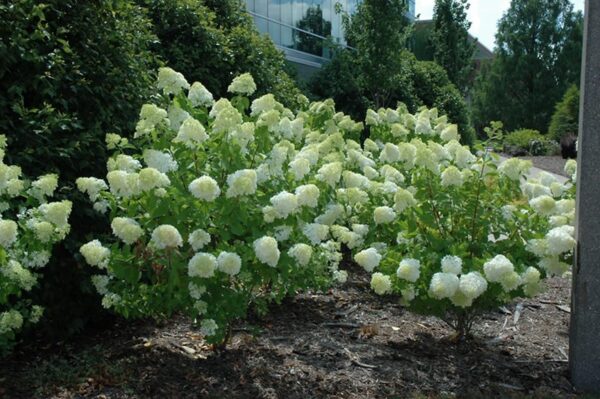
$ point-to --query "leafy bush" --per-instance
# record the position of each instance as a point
(234, 209)
(528, 142)
(565, 119)
(29, 227)
(70, 71)
(214, 41)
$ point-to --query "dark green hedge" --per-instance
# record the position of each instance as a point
(70, 72)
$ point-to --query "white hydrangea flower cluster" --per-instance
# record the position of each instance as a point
(369, 259)
(127, 229)
(301, 253)
(380, 283)
(205, 188)
(242, 182)
(170, 81)
(44, 186)
(95, 254)
(166, 236)
(501, 270)
(267, 251)
(191, 133)
(199, 96)
(243, 84)
(150, 117)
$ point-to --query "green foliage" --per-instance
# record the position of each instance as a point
(538, 55)
(70, 71)
(213, 41)
(62, 80)
(528, 142)
(338, 79)
(452, 48)
(415, 84)
(565, 119)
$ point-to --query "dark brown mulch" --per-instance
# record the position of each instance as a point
(346, 343)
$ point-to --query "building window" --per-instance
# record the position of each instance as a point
(305, 25)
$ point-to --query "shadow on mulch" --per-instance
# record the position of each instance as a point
(346, 343)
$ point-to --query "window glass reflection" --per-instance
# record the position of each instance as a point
(260, 8)
(314, 23)
(275, 15)
(302, 24)
(287, 20)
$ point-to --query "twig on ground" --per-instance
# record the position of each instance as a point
(518, 311)
(509, 386)
(562, 352)
(566, 309)
(354, 359)
(341, 325)
(347, 312)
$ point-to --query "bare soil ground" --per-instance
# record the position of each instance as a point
(345, 343)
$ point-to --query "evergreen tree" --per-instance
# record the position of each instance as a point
(379, 31)
(565, 119)
(537, 56)
(452, 48)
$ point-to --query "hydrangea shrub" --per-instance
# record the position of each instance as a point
(452, 232)
(212, 207)
(219, 204)
(29, 226)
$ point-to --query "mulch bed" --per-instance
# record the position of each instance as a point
(345, 343)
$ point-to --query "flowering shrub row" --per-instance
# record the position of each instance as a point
(217, 205)
(29, 226)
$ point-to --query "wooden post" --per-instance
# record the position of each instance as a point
(584, 345)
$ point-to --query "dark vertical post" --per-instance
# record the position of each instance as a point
(584, 345)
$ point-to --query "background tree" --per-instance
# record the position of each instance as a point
(380, 71)
(538, 55)
(379, 31)
(452, 48)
